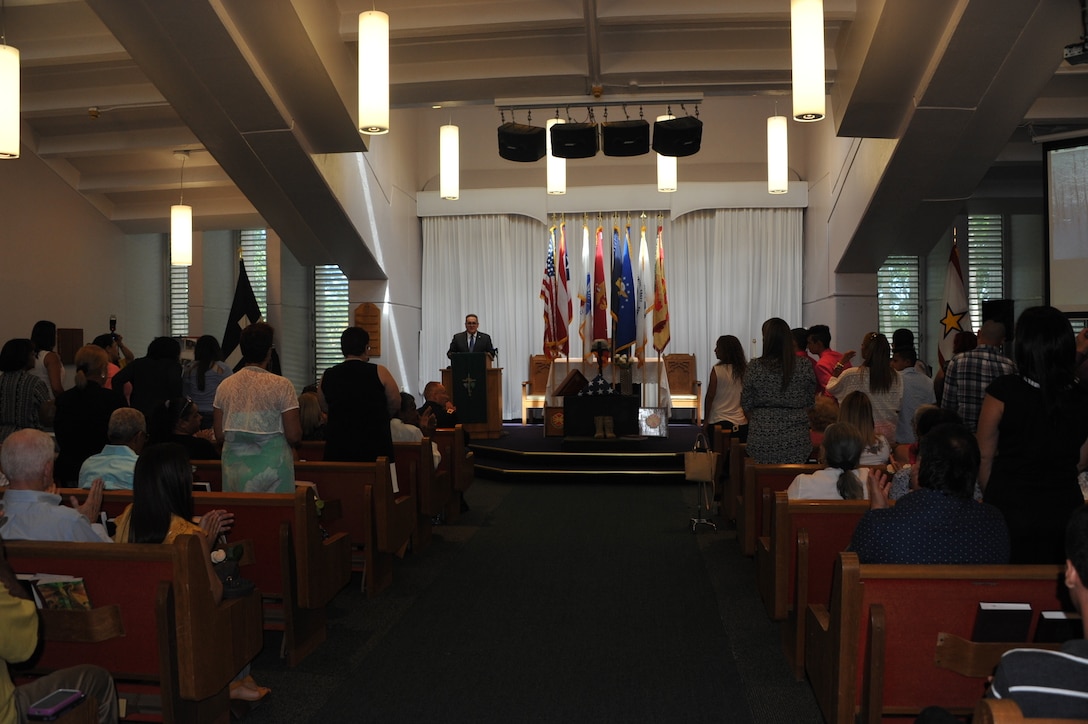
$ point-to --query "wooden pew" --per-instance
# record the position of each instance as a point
(297, 571)
(210, 472)
(1005, 711)
(738, 455)
(459, 463)
(415, 460)
(310, 450)
(171, 649)
(378, 520)
(753, 518)
(896, 638)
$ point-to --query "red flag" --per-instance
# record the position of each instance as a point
(555, 334)
(562, 275)
(661, 300)
(600, 291)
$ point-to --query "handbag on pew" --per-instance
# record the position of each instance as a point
(235, 585)
(700, 463)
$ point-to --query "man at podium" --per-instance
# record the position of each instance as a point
(471, 340)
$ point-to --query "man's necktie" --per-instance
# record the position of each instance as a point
(471, 342)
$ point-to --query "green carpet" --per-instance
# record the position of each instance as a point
(551, 603)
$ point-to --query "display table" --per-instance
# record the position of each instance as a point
(654, 391)
(579, 411)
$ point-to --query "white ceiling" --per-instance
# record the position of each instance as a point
(253, 89)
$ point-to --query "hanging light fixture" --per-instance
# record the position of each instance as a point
(557, 167)
(807, 30)
(9, 94)
(778, 164)
(666, 166)
(373, 72)
(181, 223)
(449, 162)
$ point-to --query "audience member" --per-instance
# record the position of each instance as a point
(47, 364)
(202, 377)
(256, 420)
(156, 377)
(1082, 355)
(1054, 684)
(162, 509)
(962, 342)
(917, 391)
(19, 624)
(841, 478)
(24, 398)
(903, 338)
(310, 416)
(858, 411)
(723, 410)
(926, 417)
(970, 373)
(178, 421)
(115, 347)
(360, 397)
(1033, 431)
(800, 345)
(407, 425)
(32, 509)
(939, 522)
(876, 378)
(822, 414)
(827, 359)
(127, 434)
(437, 400)
(777, 394)
(82, 419)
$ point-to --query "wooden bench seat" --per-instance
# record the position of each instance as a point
(1005, 711)
(415, 460)
(896, 638)
(753, 517)
(459, 463)
(171, 649)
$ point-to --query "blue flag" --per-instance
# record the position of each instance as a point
(623, 297)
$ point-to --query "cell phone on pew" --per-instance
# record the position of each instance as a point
(52, 706)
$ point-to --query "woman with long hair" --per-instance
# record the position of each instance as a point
(840, 452)
(1033, 437)
(24, 398)
(47, 364)
(82, 418)
(876, 378)
(202, 377)
(777, 394)
(858, 411)
(178, 421)
(722, 404)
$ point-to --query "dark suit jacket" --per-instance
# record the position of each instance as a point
(459, 344)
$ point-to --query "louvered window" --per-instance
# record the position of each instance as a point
(986, 262)
(254, 246)
(331, 315)
(179, 301)
(898, 296)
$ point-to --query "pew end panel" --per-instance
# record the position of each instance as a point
(1006, 711)
(751, 516)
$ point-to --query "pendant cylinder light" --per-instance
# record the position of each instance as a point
(557, 167)
(373, 72)
(778, 161)
(449, 183)
(666, 167)
(9, 102)
(181, 235)
(807, 29)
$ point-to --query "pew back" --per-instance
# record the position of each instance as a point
(415, 461)
(458, 462)
(753, 518)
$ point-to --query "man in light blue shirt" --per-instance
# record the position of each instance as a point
(917, 391)
(127, 434)
(31, 506)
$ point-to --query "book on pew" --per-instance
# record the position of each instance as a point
(1057, 627)
(57, 591)
(1002, 622)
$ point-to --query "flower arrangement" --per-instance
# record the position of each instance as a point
(623, 361)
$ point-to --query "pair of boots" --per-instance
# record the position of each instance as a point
(603, 427)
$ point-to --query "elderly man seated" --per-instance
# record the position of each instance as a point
(127, 434)
(31, 505)
(408, 425)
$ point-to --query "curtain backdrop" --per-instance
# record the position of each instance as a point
(727, 271)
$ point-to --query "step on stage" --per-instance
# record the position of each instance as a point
(524, 453)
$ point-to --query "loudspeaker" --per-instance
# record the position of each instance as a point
(678, 137)
(574, 140)
(518, 142)
(1000, 310)
(625, 138)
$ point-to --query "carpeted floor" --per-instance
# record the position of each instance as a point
(552, 603)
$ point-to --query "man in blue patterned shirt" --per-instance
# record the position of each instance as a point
(970, 373)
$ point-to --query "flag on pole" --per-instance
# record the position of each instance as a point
(623, 295)
(643, 284)
(585, 293)
(562, 273)
(954, 316)
(600, 292)
(661, 299)
(244, 311)
(555, 335)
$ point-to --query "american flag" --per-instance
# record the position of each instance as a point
(556, 301)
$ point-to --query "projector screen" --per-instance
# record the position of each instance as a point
(1067, 201)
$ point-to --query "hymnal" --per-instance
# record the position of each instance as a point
(1004, 622)
(1057, 627)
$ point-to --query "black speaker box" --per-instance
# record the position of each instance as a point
(518, 142)
(625, 138)
(574, 140)
(678, 137)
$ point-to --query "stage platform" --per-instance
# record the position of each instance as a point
(524, 453)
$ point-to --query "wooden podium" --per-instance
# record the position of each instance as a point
(480, 422)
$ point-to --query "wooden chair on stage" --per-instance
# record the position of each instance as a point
(685, 391)
(534, 389)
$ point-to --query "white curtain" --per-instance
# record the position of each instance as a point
(727, 271)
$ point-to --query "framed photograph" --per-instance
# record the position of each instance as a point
(653, 422)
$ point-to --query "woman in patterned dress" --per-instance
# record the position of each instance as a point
(23, 396)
